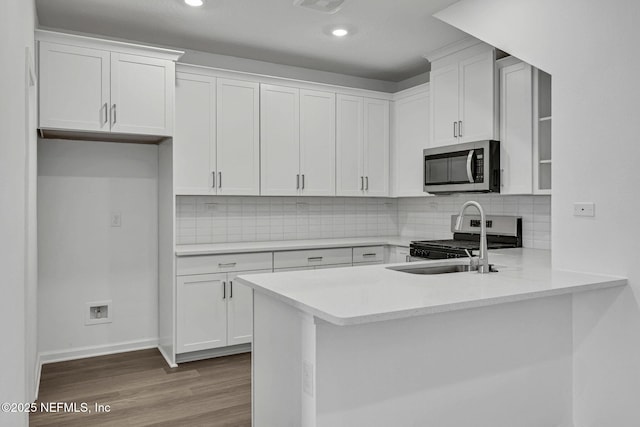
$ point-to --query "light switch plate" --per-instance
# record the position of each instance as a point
(116, 219)
(584, 209)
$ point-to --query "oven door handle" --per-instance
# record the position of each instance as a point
(469, 164)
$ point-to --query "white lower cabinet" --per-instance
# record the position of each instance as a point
(214, 311)
(202, 312)
(239, 310)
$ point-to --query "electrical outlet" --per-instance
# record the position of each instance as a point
(98, 312)
(116, 219)
(584, 209)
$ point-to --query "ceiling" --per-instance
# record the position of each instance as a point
(390, 38)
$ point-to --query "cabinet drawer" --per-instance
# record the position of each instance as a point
(207, 264)
(368, 254)
(311, 257)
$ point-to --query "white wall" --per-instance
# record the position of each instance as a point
(83, 259)
(17, 177)
(590, 48)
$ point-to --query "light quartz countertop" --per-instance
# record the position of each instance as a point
(357, 295)
(288, 245)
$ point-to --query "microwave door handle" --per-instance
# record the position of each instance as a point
(469, 163)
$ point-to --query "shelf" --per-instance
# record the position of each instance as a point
(544, 162)
(544, 119)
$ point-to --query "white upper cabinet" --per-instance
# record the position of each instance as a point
(194, 141)
(101, 86)
(376, 147)
(516, 129)
(444, 105)
(297, 129)
(74, 88)
(349, 145)
(317, 143)
(362, 146)
(280, 140)
(410, 137)
(463, 95)
(238, 138)
(477, 102)
(142, 91)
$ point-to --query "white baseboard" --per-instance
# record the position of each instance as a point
(98, 350)
(216, 352)
(169, 361)
(37, 377)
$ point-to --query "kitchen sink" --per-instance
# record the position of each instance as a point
(433, 269)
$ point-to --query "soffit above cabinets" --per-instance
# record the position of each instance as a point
(388, 45)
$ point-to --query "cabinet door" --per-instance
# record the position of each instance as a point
(279, 140)
(142, 93)
(240, 310)
(444, 105)
(516, 129)
(194, 140)
(202, 312)
(411, 137)
(238, 137)
(318, 143)
(74, 88)
(349, 146)
(477, 98)
(376, 147)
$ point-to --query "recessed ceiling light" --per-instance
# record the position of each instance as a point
(194, 3)
(340, 32)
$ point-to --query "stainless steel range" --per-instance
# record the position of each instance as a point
(502, 232)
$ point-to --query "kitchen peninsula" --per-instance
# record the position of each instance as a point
(374, 346)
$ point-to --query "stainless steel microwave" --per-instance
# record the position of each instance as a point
(470, 167)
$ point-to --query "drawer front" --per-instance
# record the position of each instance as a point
(208, 264)
(368, 254)
(312, 258)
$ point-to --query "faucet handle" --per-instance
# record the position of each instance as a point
(474, 261)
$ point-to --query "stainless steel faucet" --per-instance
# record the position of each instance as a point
(483, 260)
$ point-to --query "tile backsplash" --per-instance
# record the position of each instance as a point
(219, 219)
(430, 217)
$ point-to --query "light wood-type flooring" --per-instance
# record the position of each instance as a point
(142, 390)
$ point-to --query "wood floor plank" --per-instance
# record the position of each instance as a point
(143, 391)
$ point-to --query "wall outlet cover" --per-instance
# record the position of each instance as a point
(98, 312)
(584, 209)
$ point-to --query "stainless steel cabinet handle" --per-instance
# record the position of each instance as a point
(460, 128)
(298, 182)
(230, 289)
(455, 130)
(369, 254)
(362, 183)
(219, 179)
(303, 181)
(213, 175)
(314, 258)
(106, 113)
(229, 264)
(224, 290)
(114, 114)
(367, 181)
